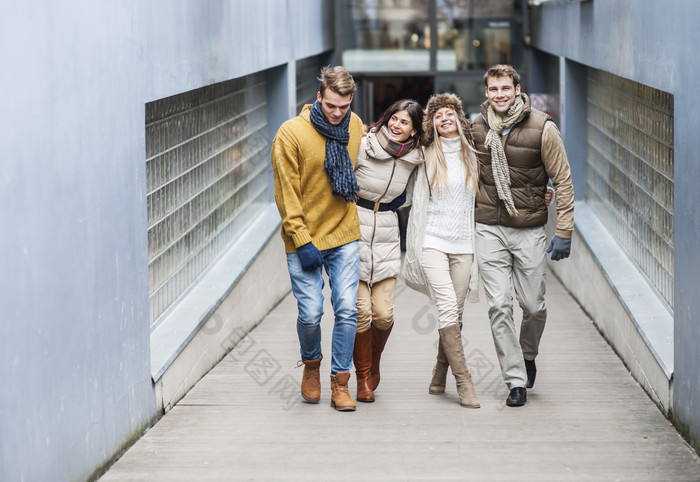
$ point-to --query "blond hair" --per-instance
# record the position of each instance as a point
(337, 79)
(434, 156)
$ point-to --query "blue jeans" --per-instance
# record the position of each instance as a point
(343, 268)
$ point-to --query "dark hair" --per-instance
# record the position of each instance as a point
(415, 112)
(501, 70)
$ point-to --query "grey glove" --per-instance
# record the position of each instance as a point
(560, 248)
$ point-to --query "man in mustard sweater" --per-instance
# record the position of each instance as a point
(313, 157)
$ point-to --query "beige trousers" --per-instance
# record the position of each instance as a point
(513, 259)
(375, 305)
(448, 276)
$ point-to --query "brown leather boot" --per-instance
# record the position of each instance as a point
(437, 383)
(341, 399)
(362, 357)
(451, 339)
(311, 381)
(379, 338)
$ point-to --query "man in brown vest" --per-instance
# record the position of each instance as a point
(519, 150)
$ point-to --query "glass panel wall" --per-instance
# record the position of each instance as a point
(386, 35)
(205, 152)
(307, 72)
(630, 171)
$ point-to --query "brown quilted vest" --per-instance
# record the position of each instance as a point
(528, 179)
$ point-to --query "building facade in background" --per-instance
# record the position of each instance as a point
(414, 48)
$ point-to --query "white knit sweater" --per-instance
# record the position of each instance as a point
(449, 221)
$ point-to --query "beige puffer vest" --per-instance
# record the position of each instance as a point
(528, 178)
(381, 178)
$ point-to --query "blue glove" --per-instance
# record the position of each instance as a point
(398, 201)
(560, 248)
(310, 257)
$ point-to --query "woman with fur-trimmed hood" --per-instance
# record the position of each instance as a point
(388, 155)
(439, 240)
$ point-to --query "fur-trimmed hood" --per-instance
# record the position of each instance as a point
(437, 102)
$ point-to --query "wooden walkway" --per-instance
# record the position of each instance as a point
(586, 418)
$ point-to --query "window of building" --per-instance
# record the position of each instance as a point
(470, 90)
(205, 151)
(429, 35)
(630, 171)
(386, 35)
(474, 34)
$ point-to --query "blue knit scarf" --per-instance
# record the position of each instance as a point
(337, 162)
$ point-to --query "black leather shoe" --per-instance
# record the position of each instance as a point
(531, 369)
(517, 397)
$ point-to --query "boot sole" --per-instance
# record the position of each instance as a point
(436, 391)
(365, 400)
(343, 409)
(311, 400)
(470, 406)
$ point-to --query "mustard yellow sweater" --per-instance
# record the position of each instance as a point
(309, 210)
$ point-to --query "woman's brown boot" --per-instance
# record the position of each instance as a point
(379, 338)
(451, 339)
(362, 357)
(437, 384)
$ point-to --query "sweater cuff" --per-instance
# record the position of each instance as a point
(563, 233)
(301, 238)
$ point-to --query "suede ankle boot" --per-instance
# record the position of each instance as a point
(437, 383)
(379, 338)
(362, 357)
(341, 399)
(451, 339)
(311, 381)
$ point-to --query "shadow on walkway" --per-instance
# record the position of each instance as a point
(586, 418)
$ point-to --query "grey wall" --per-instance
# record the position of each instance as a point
(74, 339)
(653, 43)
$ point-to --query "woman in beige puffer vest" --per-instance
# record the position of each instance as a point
(388, 155)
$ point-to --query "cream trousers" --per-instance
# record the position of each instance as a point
(448, 276)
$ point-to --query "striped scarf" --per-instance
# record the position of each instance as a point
(393, 148)
(337, 162)
(499, 163)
